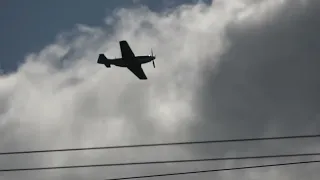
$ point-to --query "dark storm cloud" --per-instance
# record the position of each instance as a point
(266, 83)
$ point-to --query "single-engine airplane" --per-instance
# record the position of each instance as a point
(128, 60)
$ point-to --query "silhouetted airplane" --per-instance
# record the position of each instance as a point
(128, 60)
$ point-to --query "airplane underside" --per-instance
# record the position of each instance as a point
(118, 62)
(108, 62)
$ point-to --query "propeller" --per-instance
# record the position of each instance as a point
(153, 60)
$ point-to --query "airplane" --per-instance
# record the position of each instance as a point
(128, 60)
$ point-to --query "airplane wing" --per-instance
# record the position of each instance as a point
(138, 71)
(126, 51)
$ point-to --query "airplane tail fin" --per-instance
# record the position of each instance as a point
(102, 59)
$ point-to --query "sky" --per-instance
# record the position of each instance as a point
(224, 69)
(27, 27)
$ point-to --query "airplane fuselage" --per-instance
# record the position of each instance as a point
(123, 63)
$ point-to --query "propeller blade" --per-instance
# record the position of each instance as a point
(153, 64)
(151, 52)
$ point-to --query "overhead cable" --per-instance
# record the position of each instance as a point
(163, 144)
(216, 170)
(161, 162)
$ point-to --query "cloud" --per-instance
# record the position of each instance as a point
(233, 68)
(267, 77)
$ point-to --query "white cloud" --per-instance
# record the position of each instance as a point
(60, 97)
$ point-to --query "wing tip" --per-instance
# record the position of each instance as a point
(142, 77)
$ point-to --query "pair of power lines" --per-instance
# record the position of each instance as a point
(175, 161)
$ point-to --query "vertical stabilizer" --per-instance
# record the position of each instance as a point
(102, 59)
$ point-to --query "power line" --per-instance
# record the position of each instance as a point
(216, 170)
(162, 162)
(164, 144)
